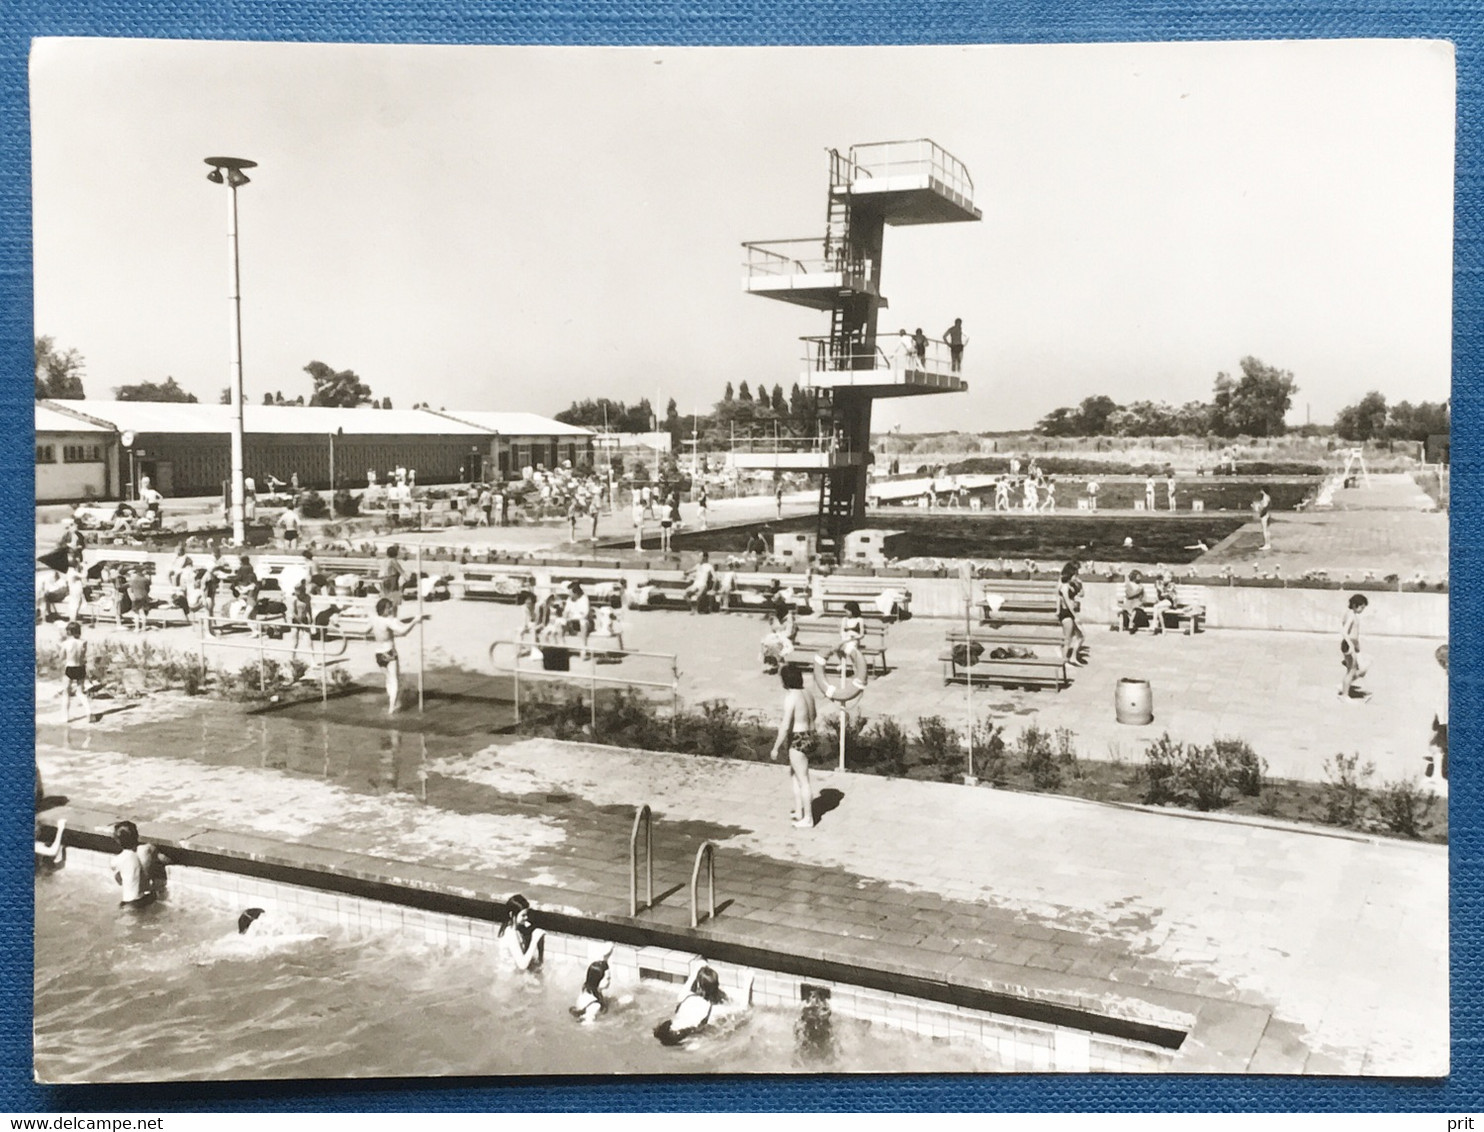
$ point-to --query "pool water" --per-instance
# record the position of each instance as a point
(174, 993)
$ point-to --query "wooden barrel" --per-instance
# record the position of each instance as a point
(1133, 701)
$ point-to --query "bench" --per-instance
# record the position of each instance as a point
(820, 637)
(959, 667)
(755, 592)
(1182, 615)
(495, 583)
(101, 562)
(662, 590)
(836, 592)
(1022, 601)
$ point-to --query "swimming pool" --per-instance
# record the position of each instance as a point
(174, 993)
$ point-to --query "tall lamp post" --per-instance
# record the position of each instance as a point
(229, 171)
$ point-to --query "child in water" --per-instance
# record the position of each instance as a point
(139, 869)
(525, 943)
(592, 1000)
(702, 1002)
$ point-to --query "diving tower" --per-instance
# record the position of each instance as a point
(899, 183)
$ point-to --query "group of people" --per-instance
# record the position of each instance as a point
(1151, 491)
(1133, 601)
(1037, 492)
(550, 624)
(650, 504)
(702, 1000)
(914, 347)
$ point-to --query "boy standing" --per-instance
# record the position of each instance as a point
(75, 671)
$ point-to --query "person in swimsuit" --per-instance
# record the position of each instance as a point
(137, 869)
(1262, 506)
(393, 577)
(592, 1000)
(698, 1002)
(1066, 613)
(1350, 650)
(75, 671)
(796, 731)
(301, 612)
(385, 629)
(524, 942)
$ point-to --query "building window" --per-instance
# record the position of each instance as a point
(82, 454)
(46, 453)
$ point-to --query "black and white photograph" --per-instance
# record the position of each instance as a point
(652, 560)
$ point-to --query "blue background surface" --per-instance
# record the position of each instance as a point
(738, 22)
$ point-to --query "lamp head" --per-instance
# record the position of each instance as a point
(234, 167)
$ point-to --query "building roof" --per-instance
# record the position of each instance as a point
(50, 420)
(178, 417)
(513, 424)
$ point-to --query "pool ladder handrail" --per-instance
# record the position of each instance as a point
(642, 816)
(707, 853)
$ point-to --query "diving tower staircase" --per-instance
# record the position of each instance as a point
(898, 183)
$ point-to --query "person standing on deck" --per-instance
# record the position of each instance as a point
(1149, 496)
(954, 336)
(796, 731)
(385, 629)
(1350, 650)
(1170, 488)
(1263, 505)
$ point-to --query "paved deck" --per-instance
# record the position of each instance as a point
(1294, 951)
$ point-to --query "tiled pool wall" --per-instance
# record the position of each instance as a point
(1019, 1045)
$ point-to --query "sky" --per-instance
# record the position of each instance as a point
(516, 228)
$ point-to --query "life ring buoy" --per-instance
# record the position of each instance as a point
(853, 688)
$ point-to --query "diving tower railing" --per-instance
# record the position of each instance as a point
(891, 362)
(913, 158)
(804, 255)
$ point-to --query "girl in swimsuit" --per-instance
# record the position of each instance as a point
(592, 999)
(702, 995)
(1066, 613)
(796, 731)
(525, 943)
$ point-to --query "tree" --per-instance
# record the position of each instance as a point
(166, 390)
(728, 395)
(226, 397)
(780, 406)
(58, 374)
(340, 389)
(1058, 422)
(267, 399)
(386, 402)
(1092, 415)
(743, 393)
(1365, 420)
(1420, 421)
(1256, 404)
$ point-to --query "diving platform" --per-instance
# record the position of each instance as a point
(908, 182)
(798, 271)
(793, 454)
(891, 370)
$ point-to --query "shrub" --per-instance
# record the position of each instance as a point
(885, 744)
(714, 730)
(347, 506)
(941, 745)
(1202, 777)
(312, 505)
(1345, 800)
(1161, 770)
(1404, 806)
(1244, 768)
(1038, 758)
(990, 762)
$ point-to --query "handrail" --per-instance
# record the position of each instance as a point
(318, 640)
(707, 853)
(591, 677)
(646, 816)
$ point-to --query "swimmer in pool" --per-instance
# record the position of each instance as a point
(701, 1003)
(132, 866)
(524, 942)
(592, 1000)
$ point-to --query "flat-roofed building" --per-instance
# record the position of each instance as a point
(185, 448)
(525, 440)
(74, 457)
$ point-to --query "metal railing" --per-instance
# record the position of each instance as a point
(893, 354)
(591, 678)
(642, 817)
(706, 853)
(784, 445)
(320, 654)
(806, 255)
(915, 157)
